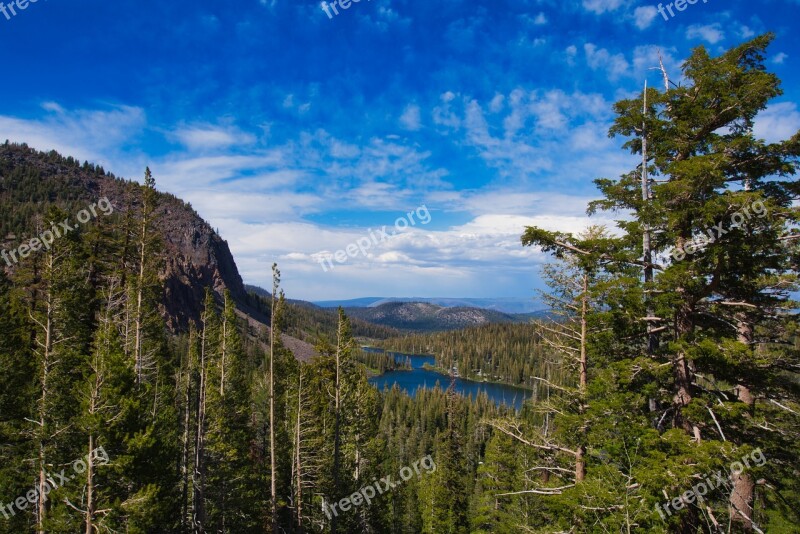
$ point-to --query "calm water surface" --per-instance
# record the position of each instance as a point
(419, 377)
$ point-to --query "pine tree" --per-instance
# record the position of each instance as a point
(16, 406)
(108, 384)
(446, 493)
(723, 212)
(492, 512)
(274, 340)
(143, 294)
(61, 323)
(715, 230)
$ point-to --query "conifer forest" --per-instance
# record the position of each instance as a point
(626, 223)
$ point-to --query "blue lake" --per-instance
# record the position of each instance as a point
(419, 377)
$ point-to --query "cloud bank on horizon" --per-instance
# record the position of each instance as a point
(295, 133)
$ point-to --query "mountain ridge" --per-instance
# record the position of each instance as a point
(195, 256)
(511, 305)
(427, 317)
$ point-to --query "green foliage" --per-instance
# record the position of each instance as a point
(699, 340)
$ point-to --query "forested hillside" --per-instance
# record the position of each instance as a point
(307, 321)
(425, 317)
(194, 255)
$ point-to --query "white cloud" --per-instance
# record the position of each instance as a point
(536, 131)
(615, 65)
(411, 119)
(779, 58)
(643, 16)
(265, 201)
(443, 114)
(496, 105)
(450, 259)
(206, 136)
(712, 33)
(93, 135)
(590, 136)
(601, 6)
(745, 32)
(778, 122)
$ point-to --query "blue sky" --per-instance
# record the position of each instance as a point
(295, 134)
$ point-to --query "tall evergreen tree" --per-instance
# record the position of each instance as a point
(720, 214)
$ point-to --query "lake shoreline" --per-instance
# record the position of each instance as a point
(440, 370)
(425, 374)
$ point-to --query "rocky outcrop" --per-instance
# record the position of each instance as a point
(195, 256)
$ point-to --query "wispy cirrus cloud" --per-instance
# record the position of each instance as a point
(292, 132)
(207, 136)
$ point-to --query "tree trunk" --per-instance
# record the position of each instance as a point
(90, 505)
(337, 418)
(297, 454)
(741, 499)
(683, 395)
(580, 464)
(224, 349)
(580, 461)
(684, 377)
(273, 484)
(584, 312)
(139, 297)
(187, 400)
(47, 354)
(647, 249)
(198, 485)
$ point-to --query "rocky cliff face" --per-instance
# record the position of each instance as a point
(195, 256)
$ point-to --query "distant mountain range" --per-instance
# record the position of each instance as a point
(427, 317)
(503, 304)
(398, 314)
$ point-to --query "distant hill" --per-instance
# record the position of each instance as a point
(308, 321)
(381, 318)
(510, 305)
(426, 317)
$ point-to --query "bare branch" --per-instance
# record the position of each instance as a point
(547, 491)
(716, 423)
